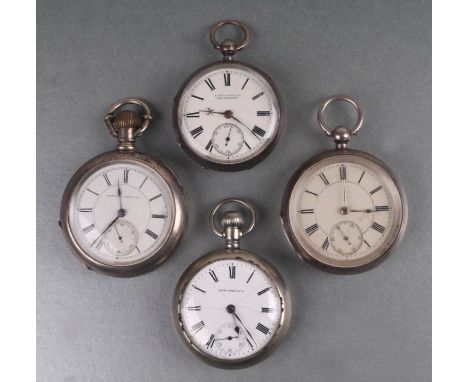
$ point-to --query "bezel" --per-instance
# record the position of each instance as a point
(235, 165)
(400, 209)
(270, 270)
(175, 232)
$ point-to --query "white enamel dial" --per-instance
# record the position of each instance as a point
(346, 212)
(231, 309)
(232, 98)
(121, 214)
(228, 139)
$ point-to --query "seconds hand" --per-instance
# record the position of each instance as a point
(227, 138)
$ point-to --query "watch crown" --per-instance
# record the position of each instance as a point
(126, 122)
(127, 119)
(228, 48)
(341, 136)
(233, 219)
(232, 222)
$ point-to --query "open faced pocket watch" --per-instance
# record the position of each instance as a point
(344, 209)
(231, 307)
(123, 212)
(228, 115)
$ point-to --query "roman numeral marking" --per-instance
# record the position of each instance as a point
(250, 276)
(198, 326)
(267, 310)
(375, 190)
(324, 178)
(209, 146)
(210, 84)
(307, 211)
(200, 98)
(262, 328)
(310, 192)
(95, 193)
(213, 276)
(138, 249)
(88, 228)
(151, 233)
(198, 307)
(342, 172)
(325, 244)
(365, 241)
(125, 173)
(195, 114)
(232, 271)
(313, 228)
(382, 208)
(245, 83)
(263, 113)
(257, 96)
(197, 131)
(142, 183)
(85, 209)
(258, 131)
(227, 79)
(99, 244)
(263, 291)
(250, 148)
(362, 175)
(197, 288)
(106, 178)
(155, 197)
(378, 227)
(211, 341)
(156, 216)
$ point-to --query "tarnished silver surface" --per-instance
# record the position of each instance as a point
(177, 114)
(269, 269)
(341, 137)
(126, 154)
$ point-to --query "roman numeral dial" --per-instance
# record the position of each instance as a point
(122, 213)
(228, 115)
(343, 211)
(230, 308)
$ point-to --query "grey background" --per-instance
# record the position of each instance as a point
(368, 327)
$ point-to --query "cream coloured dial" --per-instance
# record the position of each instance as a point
(345, 211)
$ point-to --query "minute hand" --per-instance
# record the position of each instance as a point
(235, 315)
(243, 124)
(103, 232)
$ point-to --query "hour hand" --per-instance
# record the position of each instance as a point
(211, 111)
(367, 211)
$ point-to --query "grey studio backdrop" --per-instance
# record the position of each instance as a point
(373, 326)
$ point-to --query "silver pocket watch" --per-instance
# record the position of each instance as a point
(230, 307)
(344, 209)
(123, 212)
(228, 115)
